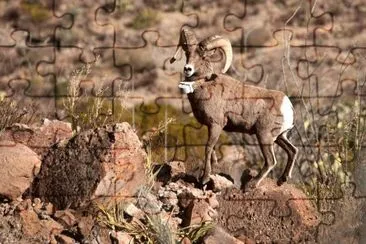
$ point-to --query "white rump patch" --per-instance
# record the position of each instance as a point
(288, 114)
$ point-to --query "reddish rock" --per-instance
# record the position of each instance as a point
(218, 235)
(62, 239)
(39, 139)
(18, 167)
(122, 237)
(199, 211)
(133, 211)
(220, 182)
(269, 213)
(32, 226)
(85, 224)
(65, 217)
(104, 165)
(170, 171)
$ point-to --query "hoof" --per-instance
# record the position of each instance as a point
(251, 185)
(205, 179)
(281, 180)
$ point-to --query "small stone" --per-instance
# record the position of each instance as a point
(186, 240)
(48, 208)
(37, 205)
(63, 239)
(122, 237)
(177, 169)
(134, 211)
(218, 235)
(32, 225)
(24, 205)
(66, 217)
(197, 212)
(169, 199)
(149, 203)
(220, 183)
(85, 225)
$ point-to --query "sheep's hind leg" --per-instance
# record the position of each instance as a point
(214, 132)
(291, 151)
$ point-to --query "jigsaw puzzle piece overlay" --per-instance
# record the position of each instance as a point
(145, 17)
(38, 18)
(85, 18)
(333, 227)
(40, 85)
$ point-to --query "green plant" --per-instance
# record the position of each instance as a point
(37, 12)
(196, 233)
(124, 5)
(339, 143)
(145, 19)
(86, 112)
(151, 229)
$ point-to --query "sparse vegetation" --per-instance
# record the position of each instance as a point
(145, 18)
(13, 112)
(37, 12)
(152, 229)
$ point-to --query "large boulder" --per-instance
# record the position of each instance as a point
(269, 214)
(38, 138)
(102, 165)
(18, 167)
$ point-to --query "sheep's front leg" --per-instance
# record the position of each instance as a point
(214, 132)
(266, 145)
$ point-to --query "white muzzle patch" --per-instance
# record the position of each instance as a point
(188, 70)
(186, 86)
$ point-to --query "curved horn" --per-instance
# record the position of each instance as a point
(186, 40)
(219, 42)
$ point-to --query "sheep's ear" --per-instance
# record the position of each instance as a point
(187, 40)
(177, 52)
(209, 53)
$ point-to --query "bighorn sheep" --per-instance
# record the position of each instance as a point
(223, 103)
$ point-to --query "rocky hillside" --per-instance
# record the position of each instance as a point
(99, 186)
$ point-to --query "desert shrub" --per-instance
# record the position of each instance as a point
(145, 18)
(152, 229)
(340, 151)
(13, 112)
(163, 5)
(37, 12)
(124, 5)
